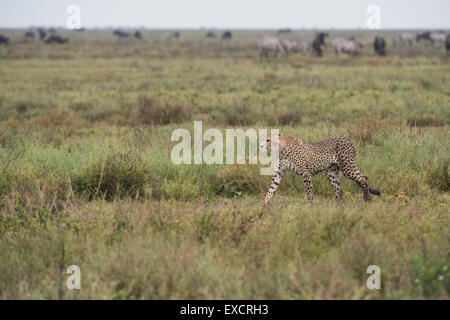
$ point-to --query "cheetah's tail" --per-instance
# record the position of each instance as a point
(375, 192)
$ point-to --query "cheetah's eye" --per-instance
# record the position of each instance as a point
(268, 140)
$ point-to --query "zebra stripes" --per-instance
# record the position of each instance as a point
(342, 45)
(269, 45)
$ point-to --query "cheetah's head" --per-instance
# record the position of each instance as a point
(269, 140)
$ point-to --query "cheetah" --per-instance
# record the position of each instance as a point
(307, 159)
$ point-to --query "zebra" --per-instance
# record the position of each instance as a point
(270, 44)
(405, 37)
(358, 41)
(438, 37)
(298, 46)
(342, 45)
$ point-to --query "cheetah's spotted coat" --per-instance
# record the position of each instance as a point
(307, 159)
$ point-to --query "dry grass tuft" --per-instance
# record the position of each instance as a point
(154, 112)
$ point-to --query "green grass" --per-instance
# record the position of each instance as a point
(86, 176)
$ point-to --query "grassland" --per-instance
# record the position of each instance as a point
(86, 176)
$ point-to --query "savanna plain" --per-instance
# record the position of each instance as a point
(86, 177)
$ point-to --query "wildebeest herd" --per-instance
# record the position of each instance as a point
(47, 36)
(122, 34)
(274, 46)
(270, 45)
(226, 35)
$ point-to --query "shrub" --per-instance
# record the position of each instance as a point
(288, 118)
(431, 277)
(437, 175)
(181, 190)
(55, 117)
(400, 183)
(152, 112)
(12, 147)
(365, 128)
(27, 109)
(237, 115)
(120, 174)
(235, 180)
(426, 122)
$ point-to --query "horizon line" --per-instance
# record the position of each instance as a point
(222, 28)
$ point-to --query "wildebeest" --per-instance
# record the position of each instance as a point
(52, 31)
(175, 35)
(296, 46)
(121, 34)
(402, 38)
(447, 44)
(423, 36)
(54, 38)
(29, 35)
(432, 36)
(342, 45)
(210, 34)
(379, 45)
(281, 31)
(4, 39)
(227, 35)
(138, 35)
(318, 44)
(42, 34)
(269, 45)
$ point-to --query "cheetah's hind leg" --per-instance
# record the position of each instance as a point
(333, 179)
(352, 173)
(372, 191)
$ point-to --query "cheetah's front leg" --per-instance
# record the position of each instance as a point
(307, 178)
(276, 180)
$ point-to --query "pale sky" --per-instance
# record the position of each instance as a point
(253, 14)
